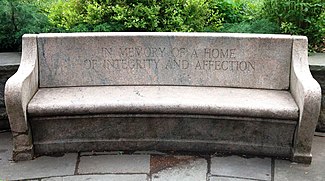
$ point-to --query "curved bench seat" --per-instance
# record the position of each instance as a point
(215, 101)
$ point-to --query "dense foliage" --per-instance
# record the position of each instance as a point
(299, 17)
(130, 15)
(303, 17)
(18, 17)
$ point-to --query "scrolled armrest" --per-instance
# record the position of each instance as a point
(19, 90)
(307, 94)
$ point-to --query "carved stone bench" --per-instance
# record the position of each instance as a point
(197, 92)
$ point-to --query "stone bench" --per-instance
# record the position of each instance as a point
(194, 92)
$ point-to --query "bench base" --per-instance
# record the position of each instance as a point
(190, 133)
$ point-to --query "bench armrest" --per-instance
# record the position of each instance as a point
(19, 90)
(307, 94)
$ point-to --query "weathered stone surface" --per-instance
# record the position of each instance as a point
(165, 100)
(109, 177)
(164, 132)
(317, 68)
(177, 61)
(250, 168)
(40, 167)
(194, 170)
(199, 59)
(307, 94)
(18, 92)
(114, 164)
(22, 139)
(9, 63)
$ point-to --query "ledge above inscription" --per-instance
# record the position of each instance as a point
(187, 59)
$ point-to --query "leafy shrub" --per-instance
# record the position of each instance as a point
(298, 17)
(244, 16)
(257, 26)
(231, 11)
(140, 15)
(18, 17)
(303, 17)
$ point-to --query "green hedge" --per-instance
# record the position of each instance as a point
(130, 15)
(18, 17)
(299, 17)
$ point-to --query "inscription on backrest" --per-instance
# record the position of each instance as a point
(205, 59)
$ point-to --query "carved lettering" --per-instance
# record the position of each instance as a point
(244, 66)
(194, 54)
(90, 64)
(179, 52)
(198, 66)
(179, 58)
(107, 52)
(137, 52)
(118, 64)
(177, 64)
(219, 53)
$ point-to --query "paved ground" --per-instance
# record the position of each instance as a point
(156, 166)
(10, 58)
(316, 59)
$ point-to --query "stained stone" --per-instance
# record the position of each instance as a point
(195, 170)
(189, 59)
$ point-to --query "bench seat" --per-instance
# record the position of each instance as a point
(216, 101)
(163, 118)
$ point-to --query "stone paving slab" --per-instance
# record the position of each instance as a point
(6, 141)
(188, 168)
(194, 170)
(40, 167)
(316, 61)
(235, 166)
(114, 164)
(287, 171)
(110, 177)
(229, 179)
(10, 58)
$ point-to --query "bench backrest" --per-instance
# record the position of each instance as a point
(188, 59)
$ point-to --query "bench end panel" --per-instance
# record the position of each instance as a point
(307, 94)
(19, 90)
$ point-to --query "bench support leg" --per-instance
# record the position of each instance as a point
(22, 146)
